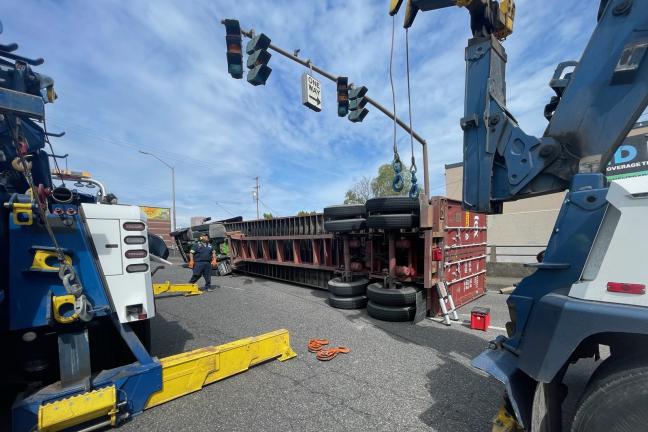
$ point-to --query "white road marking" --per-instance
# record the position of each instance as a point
(234, 288)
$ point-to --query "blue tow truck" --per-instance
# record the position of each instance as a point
(589, 290)
(76, 296)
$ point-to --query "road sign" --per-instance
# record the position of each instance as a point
(630, 159)
(311, 92)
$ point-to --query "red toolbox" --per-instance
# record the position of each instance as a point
(480, 318)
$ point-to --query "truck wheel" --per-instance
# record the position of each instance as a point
(392, 204)
(345, 225)
(615, 399)
(344, 211)
(338, 287)
(157, 246)
(404, 296)
(391, 313)
(546, 408)
(355, 302)
(392, 221)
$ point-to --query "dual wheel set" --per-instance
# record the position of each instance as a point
(386, 304)
(393, 212)
(386, 213)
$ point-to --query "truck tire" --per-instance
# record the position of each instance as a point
(157, 246)
(345, 225)
(344, 211)
(615, 399)
(338, 287)
(392, 204)
(405, 296)
(390, 313)
(546, 408)
(392, 221)
(355, 302)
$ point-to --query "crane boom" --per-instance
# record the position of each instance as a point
(595, 106)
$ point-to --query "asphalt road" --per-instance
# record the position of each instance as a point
(398, 376)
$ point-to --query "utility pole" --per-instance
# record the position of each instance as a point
(307, 63)
(256, 195)
(173, 197)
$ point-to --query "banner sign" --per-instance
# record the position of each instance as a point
(630, 159)
(157, 213)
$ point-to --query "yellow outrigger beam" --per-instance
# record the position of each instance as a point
(189, 372)
(166, 287)
(181, 374)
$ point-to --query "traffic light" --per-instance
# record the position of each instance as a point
(234, 50)
(258, 59)
(357, 102)
(343, 96)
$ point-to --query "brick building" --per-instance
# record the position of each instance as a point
(159, 222)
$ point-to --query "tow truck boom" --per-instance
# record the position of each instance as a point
(595, 105)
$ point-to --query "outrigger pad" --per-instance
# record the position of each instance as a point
(189, 372)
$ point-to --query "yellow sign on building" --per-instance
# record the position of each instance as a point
(157, 213)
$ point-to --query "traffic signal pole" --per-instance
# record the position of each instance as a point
(370, 101)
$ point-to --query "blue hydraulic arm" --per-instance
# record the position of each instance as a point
(595, 105)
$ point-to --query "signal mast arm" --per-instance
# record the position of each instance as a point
(594, 108)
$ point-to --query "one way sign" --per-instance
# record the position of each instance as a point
(311, 92)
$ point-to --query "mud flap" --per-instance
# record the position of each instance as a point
(421, 306)
(502, 365)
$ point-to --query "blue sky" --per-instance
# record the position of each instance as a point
(152, 76)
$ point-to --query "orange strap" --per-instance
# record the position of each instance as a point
(315, 345)
(331, 353)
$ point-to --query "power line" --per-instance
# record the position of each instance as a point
(268, 208)
(223, 207)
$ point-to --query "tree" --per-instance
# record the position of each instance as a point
(360, 192)
(379, 186)
(382, 184)
(268, 216)
(306, 213)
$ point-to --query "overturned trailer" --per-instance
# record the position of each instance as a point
(396, 242)
(293, 249)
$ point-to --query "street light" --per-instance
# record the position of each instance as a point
(173, 211)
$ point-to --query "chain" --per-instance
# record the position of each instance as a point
(66, 272)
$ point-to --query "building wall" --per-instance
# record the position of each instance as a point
(527, 222)
(159, 222)
(197, 220)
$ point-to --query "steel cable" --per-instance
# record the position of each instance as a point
(413, 193)
(397, 165)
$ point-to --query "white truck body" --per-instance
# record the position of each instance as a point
(616, 255)
(131, 291)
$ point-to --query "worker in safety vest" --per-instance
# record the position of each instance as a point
(224, 249)
(202, 257)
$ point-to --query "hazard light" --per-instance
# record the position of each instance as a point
(134, 226)
(130, 240)
(137, 268)
(136, 253)
(626, 288)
